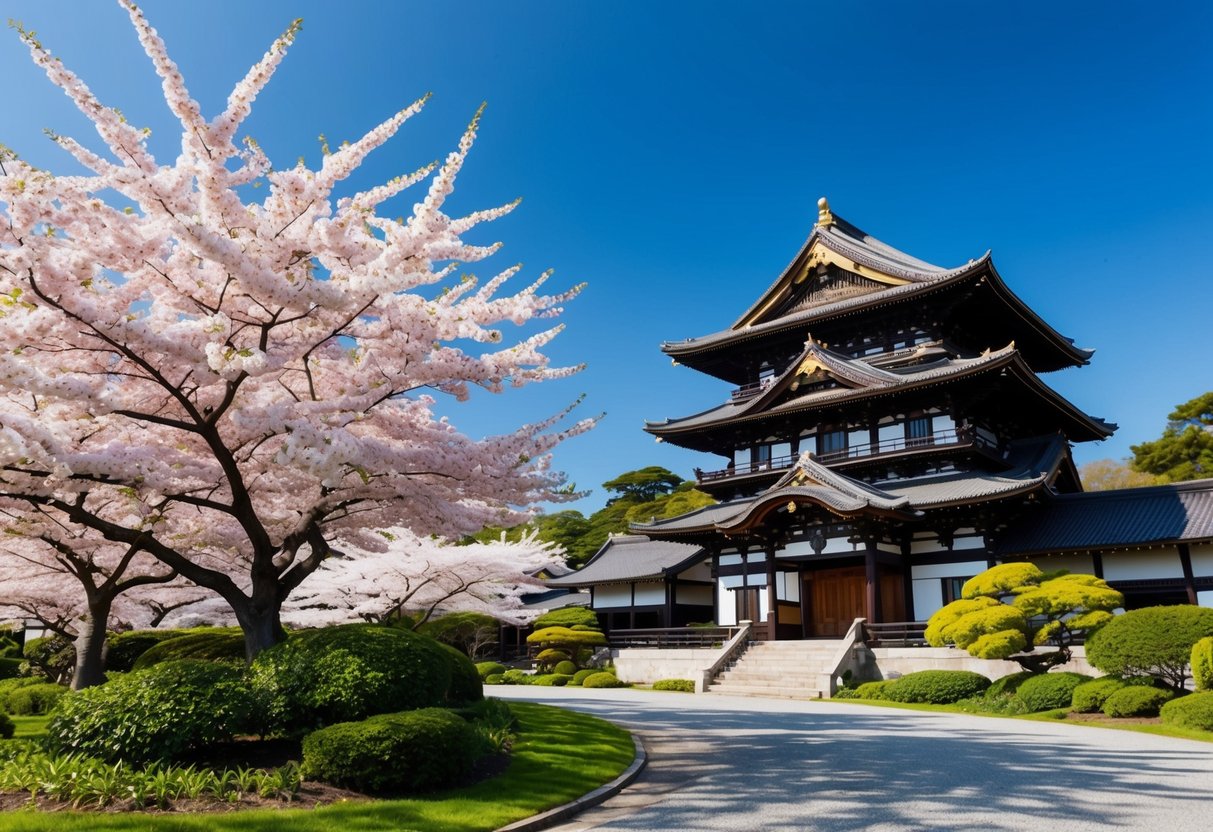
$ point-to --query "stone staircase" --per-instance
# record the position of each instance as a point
(785, 669)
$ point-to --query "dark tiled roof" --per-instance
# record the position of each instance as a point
(1111, 519)
(630, 558)
(555, 599)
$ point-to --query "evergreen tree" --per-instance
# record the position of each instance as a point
(1185, 449)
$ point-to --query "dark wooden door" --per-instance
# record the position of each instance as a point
(747, 604)
(836, 598)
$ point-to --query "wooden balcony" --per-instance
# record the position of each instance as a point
(867, 451)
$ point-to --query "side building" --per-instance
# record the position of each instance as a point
(889, 435)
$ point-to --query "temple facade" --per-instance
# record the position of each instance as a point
(889, 433)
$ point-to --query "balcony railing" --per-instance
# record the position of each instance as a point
(752, 389)
(869, 449)
(672, 637)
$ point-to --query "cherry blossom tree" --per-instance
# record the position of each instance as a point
(79, 586)
(235, 387)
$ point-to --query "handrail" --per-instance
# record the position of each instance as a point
(670, 637)
(897, 634)
(734, 645)
(845, 654)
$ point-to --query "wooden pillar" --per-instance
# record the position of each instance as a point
(1097, 564)
(872, 585)
(667, 615)
(772, 596)
(1185, 563)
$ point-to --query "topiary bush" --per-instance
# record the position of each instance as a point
(1192, 711)
(568, 617)
(486, 669)
(1201, 661)
(1153, 641)
(7, 729)
(1088, 698)
(1047, 691)
(124, 649)
(31, 700)
(936, 687)
(514, 676)
(581, 675)
(347, 673)
(557, 680)
(465, 686)
(680, 685)
(873, 690)
(413, 751)
(602, 680)
(1136, 700)
(156, 714)
(566, 668)
(494, 679)
(1008, 684)
(212, 646)
(551, 657)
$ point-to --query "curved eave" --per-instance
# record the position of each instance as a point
(1097, 428)
(763, 507)
(1079, 355)
(1029, 485)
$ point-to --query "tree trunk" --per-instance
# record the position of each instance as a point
(90, 646)
(262, 626)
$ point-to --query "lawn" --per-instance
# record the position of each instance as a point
(560, 756)
(1058, 715)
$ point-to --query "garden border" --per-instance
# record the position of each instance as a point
(552, 816)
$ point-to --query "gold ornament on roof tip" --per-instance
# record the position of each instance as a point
(824, 217)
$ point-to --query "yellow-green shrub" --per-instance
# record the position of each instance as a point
(1202, 663)
(1136, 701)
(1192, 711)
(937, 687)
(1047, 691)
(602, 680)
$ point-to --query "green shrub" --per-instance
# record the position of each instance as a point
(487, 669)
(581, 675)
(566, 668)
(465, 684)
(30, 700)
(6, 726)
(1088, 698)
(346, 673)
(557, 680)
(413, 751)
(1047, 691)
(602, 680)
(51, 657)
(154, 714)
(1008, 684)
(873, 690)
(1005, 704)
(1192, 711)
(1136, 700)
(1153, 641)
(680, 685)
(494, 679)
(124, 649)
(937, 687)
(568, 617)
(7, 686)
(210, 646)
(1202, 663)
(514, 676)
(10, 667)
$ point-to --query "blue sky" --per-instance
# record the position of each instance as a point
(671, 155)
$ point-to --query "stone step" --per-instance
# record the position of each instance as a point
(768, 661)
(790, 692)
(768, 676)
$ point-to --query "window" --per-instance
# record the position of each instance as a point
(831, 441)
(918, 431)
(951, 589)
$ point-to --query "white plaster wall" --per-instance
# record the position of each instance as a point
(612, 595)
(903, 660)
(694, 595)
(650, 592)
(698, 572)
(787, 586)
(1078, 564)
(931, 544)
(1142, 564)
(1205, 599)
(726, 608)
(730, 560)
(977, 542)
(963, 569)
(1202, 559)
(649, 665)
(928, 597)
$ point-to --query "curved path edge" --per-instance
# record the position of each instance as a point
(567, 810)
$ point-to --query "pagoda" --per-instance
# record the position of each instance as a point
(888, 421)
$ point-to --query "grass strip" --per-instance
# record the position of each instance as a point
(1056, 715)
(560, 756)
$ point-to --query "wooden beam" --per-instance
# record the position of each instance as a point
(872, 585)
(772, 597)
(1185, 563)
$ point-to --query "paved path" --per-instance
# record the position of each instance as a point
(740, 764)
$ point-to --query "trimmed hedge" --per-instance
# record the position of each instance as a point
(1090, 696)
(1202, 663)
(31, 700)
(156, 714)
(465, 686)
(565, 668)
(1136, 701)
(487, 669)
(412, 751)
(873, 690)
(210, 646)
(1192, 711)
(1047, 691)
(1155, 641)
(557, 680)
(567, 617)
(494, 679)
(936, 687)
(581, 675)
(124, 649)
(347, 673)
(602, 680)
(680, 685)
(1008, 684)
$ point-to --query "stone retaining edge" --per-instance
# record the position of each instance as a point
(552, 816)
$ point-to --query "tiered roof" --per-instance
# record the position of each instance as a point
(632, 558)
